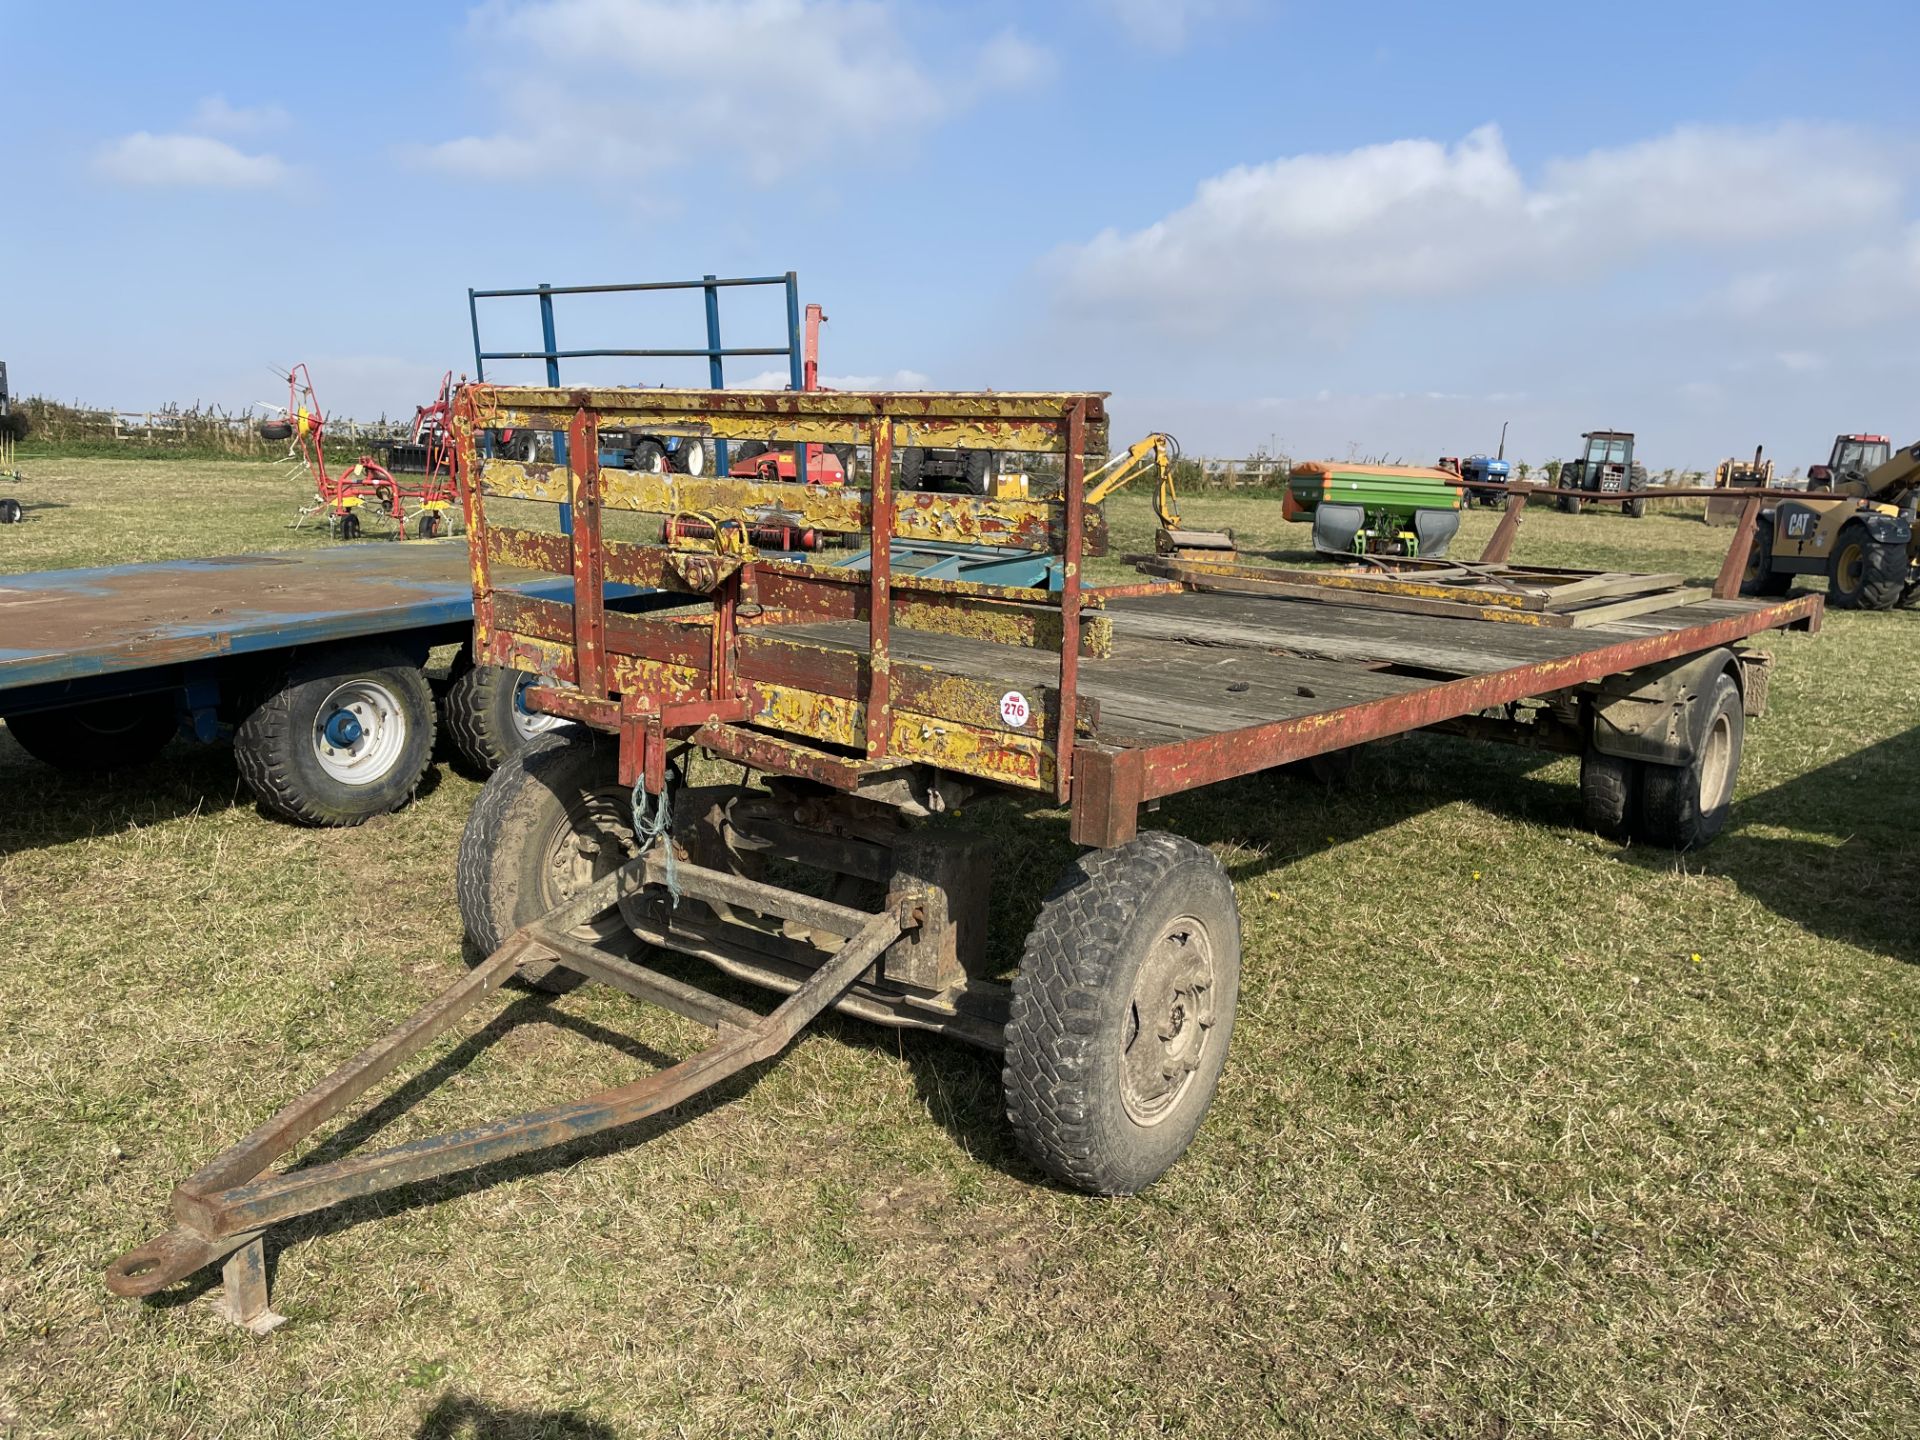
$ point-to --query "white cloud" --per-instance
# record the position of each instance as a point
(632, 87)
(1161, 24)
(1418, 218)
(214, 115)
(185, 161)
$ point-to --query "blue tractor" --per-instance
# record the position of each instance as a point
(1483, 478)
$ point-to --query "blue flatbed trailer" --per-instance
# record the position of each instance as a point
(312, 660)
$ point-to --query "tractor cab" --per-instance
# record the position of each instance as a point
(1607, 472)
(1609, 454)
(1854, 458)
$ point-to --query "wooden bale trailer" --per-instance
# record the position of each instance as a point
(869, 701)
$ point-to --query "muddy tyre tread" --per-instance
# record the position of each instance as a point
(266, 744)
(1070, 961)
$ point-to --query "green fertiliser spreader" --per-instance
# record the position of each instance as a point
(1375, 509)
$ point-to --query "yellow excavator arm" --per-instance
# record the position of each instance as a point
(1157, 452)
(1158, 449)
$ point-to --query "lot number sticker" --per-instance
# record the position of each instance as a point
(1014, 709)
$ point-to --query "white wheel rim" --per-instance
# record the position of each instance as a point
(359, 732)
(1716, 763)
(696, 457)
(1169, 1021)
(531, 724)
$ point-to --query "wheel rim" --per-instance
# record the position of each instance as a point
(1169, 1021)
(1716, 763)
(1853, 561)
(696, 454)
(653, 461)
(531, 724)
(594, 838)
(359, 732)
(1756, 559)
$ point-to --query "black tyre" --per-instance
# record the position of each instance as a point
(428, 524)
(1122, 1010)
(849, 459)
(101, 735)
(978, 468)
(552, 820)
(276, 429)
(1636, 507)
(1609, 794)
(346, 526)
(649, 456)
(912, 464)
(346, 738)
(485, 713)
(522, 446)
(1570, 504)
(1684, 806)
(10, 512)
(1760, 578)
(694, 457)
(1864, 573)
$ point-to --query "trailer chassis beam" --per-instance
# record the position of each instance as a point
(223, 1210)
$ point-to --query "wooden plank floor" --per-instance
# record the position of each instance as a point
(1199, 664)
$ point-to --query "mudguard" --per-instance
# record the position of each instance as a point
(1646, 714)
(1335, 526)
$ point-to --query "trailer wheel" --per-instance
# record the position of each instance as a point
(551, 820)
(485, 712)
(346, 738)
(1865, 574)
(1122, 1009)
(1684, 806)
(99, 736)
(10, 512)
(1760, 578)
(1609, 794)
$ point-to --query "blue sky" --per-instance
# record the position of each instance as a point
(1377, 229)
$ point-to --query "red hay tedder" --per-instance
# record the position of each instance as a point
(422, 495)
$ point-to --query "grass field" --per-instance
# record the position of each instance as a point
(1522, 1132)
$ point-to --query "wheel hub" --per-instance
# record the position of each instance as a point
(360, 732)
(1170, 1021)
(595, 839)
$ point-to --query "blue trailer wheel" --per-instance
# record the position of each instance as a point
(485, 712)
(347, 737)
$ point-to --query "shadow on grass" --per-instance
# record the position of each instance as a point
(47, 807)
(1846, 871)
(466, 1417)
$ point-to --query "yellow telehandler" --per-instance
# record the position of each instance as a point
(1860, 535)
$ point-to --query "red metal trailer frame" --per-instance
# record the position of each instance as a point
(864, 696)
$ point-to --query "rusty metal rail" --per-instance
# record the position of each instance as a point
(224, 1209)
